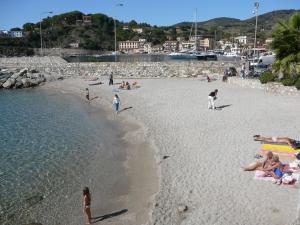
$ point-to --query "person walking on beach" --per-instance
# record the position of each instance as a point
(87, 94)
(243, 71)
(211, 99)
(111, 79)
(116, 103)
(87, 205)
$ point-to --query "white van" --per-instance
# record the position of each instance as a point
(267, 59)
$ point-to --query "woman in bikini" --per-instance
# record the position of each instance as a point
(87, 204)
(260, 165)
(286, 140)
(275, 170)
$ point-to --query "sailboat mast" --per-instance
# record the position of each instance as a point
(196, 29)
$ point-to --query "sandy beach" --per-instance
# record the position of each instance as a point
(199, 152)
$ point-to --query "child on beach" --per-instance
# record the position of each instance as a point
(211, 99)
(87, 204)
(116, 103)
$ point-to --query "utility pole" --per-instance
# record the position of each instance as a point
(115, 25)
(256, 5)
(41, 36)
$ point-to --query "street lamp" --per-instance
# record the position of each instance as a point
(41, 29)
(115, 25)
(256, 5)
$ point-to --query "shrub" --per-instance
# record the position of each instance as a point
(288, 81)
(267, 77)
(297, 84)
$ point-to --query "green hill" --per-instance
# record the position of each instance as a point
(63, 29)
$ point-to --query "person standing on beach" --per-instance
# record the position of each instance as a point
(243, 71)
(87, 205)
(211, 99)
(116, 103)
(111, 79)
(87, 94)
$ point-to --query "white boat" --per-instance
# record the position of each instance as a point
(231, 54)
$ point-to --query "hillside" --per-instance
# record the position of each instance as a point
(232, 26)
(63, 29)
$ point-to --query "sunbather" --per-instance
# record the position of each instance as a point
(260, 165)
(286, 140)
(275, 169)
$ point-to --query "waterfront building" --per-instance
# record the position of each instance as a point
(171, 46)
(207, 43)
(129, 46)
(243, 40)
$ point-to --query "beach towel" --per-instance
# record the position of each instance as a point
(259, 175)
(280, 149)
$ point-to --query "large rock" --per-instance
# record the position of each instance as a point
(18, 84)
(19, 74)
(9, 83)
(25, 82)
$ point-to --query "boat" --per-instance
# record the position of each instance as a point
(207, 56)
(231, 54)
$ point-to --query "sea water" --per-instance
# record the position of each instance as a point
(51, 146)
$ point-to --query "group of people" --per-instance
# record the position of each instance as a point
(125, 85)
(272, 165)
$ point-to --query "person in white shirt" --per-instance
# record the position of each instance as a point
(116, 103)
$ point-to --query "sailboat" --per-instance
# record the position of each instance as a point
(194, 53)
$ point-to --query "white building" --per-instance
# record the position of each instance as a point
(138, 30)
(16, 34)
(241, 40)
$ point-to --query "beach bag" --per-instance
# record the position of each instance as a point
(287, 178)
(295, 164)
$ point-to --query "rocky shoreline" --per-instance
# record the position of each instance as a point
(44, 69)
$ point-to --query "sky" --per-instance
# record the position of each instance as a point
(14, 13)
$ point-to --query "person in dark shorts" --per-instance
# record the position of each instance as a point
(211, 99)
(111, 79)
(87, 94)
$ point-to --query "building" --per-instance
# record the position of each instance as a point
(129, 46)
(138, 30)
(148, 47)
(207, 43)
(171, 46)
(86, 19)
(16, 34)
(241, 40)
(269, 41)
(184, 45)
(4, 33)
(125, 27)
(74, 45)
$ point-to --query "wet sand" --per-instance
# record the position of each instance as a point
(125, 199)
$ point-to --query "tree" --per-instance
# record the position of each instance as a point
(286, 43)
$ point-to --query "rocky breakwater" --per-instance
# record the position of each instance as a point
(20, 78)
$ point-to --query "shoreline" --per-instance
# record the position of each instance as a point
(140, 165)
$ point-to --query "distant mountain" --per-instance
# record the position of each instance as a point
(266, 23)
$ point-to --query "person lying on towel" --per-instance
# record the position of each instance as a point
(291, 142)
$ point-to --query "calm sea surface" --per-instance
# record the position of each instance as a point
(138, 58)
(51, 146)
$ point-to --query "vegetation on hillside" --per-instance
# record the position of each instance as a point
(63, 29)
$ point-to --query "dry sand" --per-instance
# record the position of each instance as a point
(206, 148)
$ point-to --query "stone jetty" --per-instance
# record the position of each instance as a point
(19, 72)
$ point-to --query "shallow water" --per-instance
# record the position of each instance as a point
(51, 146)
